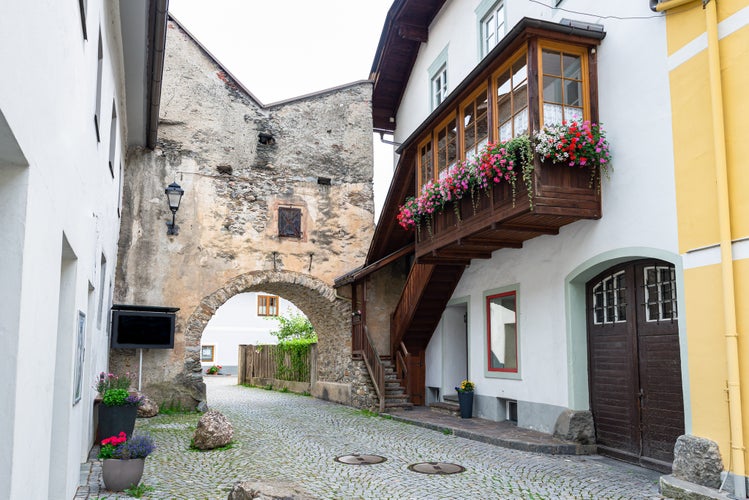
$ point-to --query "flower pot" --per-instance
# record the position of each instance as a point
(116, 419)
(120, 474)
(466, 404)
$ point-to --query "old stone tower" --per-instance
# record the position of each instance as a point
(243, 165)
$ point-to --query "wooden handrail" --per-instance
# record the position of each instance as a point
(375, 367)
(404, 312)
(401, 366)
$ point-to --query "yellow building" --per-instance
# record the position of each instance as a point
(708, 48)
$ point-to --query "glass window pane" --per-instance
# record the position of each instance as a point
(552, 114)
(503, 84)
(505, 108)
(505, 131)
(551, 61)
(572, 67)
(519, 72)
(552, 89)
(573, 93)
(520, 97)
(520, 123)
(503, 333)
(572, 114)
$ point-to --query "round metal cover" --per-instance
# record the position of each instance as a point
(436, 468)
(357, 459)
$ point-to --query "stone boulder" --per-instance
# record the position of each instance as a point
(575, 426)
(148, 408)
(698, 461)
(256, 490)
(214, 431)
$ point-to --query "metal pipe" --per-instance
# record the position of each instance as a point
(726, 253)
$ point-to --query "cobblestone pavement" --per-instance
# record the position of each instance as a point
(290, 438)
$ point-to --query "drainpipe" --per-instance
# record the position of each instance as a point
(726, 253)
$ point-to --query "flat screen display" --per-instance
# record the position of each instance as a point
(142, 329)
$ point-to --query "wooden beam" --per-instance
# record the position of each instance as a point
(413, 32)
(492, 243)
(525, 229)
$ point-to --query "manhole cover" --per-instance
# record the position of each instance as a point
(357, 459)
(436, 468)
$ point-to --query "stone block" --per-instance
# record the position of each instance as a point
(257, 490)
(697, 460)
(575, 426)
(332, 391)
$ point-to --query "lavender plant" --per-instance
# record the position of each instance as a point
(138, 446)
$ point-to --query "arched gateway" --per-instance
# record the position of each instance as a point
(330, 316)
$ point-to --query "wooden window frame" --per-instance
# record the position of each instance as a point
(487, 82)
(264, 305)
(568, 48)
(298, 213)
(213, 353)
(463, 153)
(516, 56)
(487, 301)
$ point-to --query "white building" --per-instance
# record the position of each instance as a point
(80, 84)
(246, 318)
(514, 296)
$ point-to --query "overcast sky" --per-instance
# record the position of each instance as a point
(280, 49)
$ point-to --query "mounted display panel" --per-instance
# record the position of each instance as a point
(142, 327)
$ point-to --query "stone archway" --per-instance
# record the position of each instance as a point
(338, 377)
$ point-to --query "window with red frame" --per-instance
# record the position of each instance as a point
(502, 334)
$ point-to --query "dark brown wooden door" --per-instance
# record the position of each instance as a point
(417, 377)
(634, 362)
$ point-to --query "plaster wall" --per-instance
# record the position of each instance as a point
(384, 288)
(228, 226)
(638, 199)
(64, 190)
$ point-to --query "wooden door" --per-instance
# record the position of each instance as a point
(634, 362)
(417, 377)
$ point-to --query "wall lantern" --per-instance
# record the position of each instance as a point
(173, 195)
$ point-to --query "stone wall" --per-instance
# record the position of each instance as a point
(238, 162)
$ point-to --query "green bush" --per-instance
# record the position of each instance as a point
(115, 397)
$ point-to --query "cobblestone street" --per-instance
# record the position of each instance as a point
(291, 438)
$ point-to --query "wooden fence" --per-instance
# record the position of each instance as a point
(264, 365)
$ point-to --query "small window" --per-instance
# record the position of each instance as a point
(609, 300)
(512, 99)
(426, 162)
(439, 86)
(112, 139)
(562, 84)
(492, 27)
(82, 6)
(99, 69)
(267, 305)
(447, 147)
(438, 79)
(290, 222)
(206, 353)
(660, 293)
(475, 124)
(502, 337)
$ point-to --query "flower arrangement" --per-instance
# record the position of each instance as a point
(120, 447)
(214, 370)
(577, 144)
(497, 162)
(466, 386)
(114, 390)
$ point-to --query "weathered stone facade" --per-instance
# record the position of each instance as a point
(239, 162)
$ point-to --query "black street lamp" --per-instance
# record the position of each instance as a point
(173, 195)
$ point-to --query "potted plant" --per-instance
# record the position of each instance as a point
(123, 460)
(118, 408)
(214, 370)
(465, 398)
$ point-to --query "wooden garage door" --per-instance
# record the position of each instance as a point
(634, 362)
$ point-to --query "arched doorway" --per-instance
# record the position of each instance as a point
(634, 362)
(329, 315)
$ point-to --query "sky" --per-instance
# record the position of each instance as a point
(281, 49)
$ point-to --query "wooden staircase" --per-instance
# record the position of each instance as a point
(395, 394)
(426, 293)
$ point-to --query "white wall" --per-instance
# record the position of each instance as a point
(47, 99)
(638, 199)
(236, 322)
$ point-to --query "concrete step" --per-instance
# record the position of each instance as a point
(401, 406)
(446, 407)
